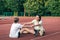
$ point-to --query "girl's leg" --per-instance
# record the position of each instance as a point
(22, 30)
(18, 34)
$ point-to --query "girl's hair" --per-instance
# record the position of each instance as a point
(16, 20)
(39, 17)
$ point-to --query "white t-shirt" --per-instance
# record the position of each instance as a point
(35, 22)
(15, 28)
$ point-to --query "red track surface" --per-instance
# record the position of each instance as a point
(51, 24)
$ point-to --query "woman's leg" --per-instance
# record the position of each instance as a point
(36, 32)
(27, 30)
(42, 32)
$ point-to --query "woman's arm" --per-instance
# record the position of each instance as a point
(37, 25)
(28, 23)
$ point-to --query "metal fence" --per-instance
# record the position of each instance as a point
(27, 14)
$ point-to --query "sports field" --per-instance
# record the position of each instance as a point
(51, 25)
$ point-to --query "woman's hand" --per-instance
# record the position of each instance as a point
(32, 25)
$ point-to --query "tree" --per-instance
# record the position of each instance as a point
(35, 6)
(13, 5)
(16, 6)
(2, 6)
(31, 6)
(54, 7)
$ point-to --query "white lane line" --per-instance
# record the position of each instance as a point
(46, 36)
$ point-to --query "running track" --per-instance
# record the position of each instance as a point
(51, 25)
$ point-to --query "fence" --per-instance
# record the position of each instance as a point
(27, 14)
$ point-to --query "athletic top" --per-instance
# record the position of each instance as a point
(15, 28)
(35, 22)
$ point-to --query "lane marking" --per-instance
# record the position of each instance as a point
(46, 36)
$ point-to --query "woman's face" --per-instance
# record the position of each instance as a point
(37, 17)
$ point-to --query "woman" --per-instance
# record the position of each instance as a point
(38, 27)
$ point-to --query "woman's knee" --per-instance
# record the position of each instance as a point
(42, 33)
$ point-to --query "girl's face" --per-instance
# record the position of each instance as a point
(37, 17)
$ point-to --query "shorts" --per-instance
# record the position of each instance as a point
(36, 32)
(18, 34)
(42, 33)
